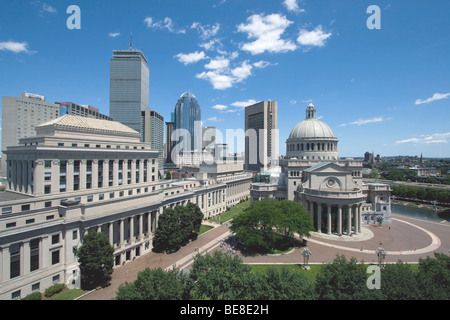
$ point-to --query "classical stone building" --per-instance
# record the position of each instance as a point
(78, 174)
(330, 188)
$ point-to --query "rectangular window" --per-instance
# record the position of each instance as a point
(25, 207)
(6, 210)
(48, 204)
(55, 238)
(34, 254)
(10, 225)
(47, 164)
(14, 251)
(47, 189)
(90, 198)
(101, 196)
(55, 257)
(74, 235)
(29, 221)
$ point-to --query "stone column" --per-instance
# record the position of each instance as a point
(125, 172)
(328, 219)
(349, 220)
(69, 175)
(105, 173)
(83, 173)
(111, 233)
(131, 229)
(141, 225)
(121, 231)
(116, 173)
(319, 217)
(133, 171)
(94, 174)
(339, 222)
(39, 177)
(359, 218)
(355, 218)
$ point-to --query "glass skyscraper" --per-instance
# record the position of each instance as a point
(129, 87)
(188, 119)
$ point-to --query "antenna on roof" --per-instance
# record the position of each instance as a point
(131, 40)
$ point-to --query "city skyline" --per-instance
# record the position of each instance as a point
(380, 90)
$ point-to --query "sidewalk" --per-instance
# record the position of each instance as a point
(181, 259)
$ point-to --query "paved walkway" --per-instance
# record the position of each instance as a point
(407, 239)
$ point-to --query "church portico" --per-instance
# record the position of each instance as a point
(335, 218)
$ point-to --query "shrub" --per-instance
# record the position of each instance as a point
(33, 296)
(54, 289)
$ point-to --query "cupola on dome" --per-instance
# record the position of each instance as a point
(311, 127)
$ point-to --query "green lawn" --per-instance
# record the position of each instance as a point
(69, 294)
(204, 228)
(231, 213)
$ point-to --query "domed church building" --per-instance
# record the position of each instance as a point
(330, 188)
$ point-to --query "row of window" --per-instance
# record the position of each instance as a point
(312, 147)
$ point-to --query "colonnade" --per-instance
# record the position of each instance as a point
(129, 232)
(335, 218)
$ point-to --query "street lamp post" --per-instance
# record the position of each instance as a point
(381, 253)
(306, 253)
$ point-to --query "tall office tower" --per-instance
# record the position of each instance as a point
(129, 87)
(20, 115)
(188, 119)
(209, 138)
(170, 128)
(157, 137)
(261, 136)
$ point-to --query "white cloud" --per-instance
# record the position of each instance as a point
(207, 31)
(222, 76)
(315, 37)
(218, 64)
(218, 80)
(219, 107)
(48, 8)
(16, 47)
(292, 5)
(167, 23)
(214, 119)
(428, 139)
(267, 30)
(114, 34)
(191, 57)
(435, 97)
(261, 64)
(361, 122)
(243, 104)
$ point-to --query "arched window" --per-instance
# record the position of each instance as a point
(307, 146)
(302, 147)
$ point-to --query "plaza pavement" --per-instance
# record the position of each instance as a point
(406, 239)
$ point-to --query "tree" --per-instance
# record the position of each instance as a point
(434, 277)
(282, 284)
(96, 259)
(342, 280)
(219, 277)
(154, 284)
(398, 282)
(268, 222)
(177, 226)
(167, 235)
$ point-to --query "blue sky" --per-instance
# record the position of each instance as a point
(383, 90)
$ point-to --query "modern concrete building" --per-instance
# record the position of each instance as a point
(81, 110)
(330, 188)
(20, 116)
(79, 174)
(261, 136)
(129, 87)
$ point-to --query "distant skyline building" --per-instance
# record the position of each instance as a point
(129, 87)
(188, 117)
(170, 128)
(157, 136)
(261, 140)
